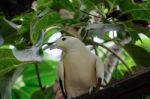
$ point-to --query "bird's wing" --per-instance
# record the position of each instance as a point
(60, 78)
(99, 71)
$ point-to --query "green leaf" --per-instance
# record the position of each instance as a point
(8, 61)
(8, 33)
(144, 30)
(87, 5)
(139, 54)
(41, 4)
(50, 32)
(121, 69)
(117, 74)
(145, 43)
(134, 36)
(62, 4)
(1, 40)
(130, 7)
(44, 22)
(48, 94)
(7, 81)
(27, 19)
(47, 73)
(34, 53)
(24, 92)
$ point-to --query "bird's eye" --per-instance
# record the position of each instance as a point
(63, 39)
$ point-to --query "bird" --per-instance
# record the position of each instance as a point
(79, 71)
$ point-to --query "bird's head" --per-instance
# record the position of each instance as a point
(67, 43)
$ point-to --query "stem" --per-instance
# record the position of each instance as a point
(95, 49)
(38, 77)
(88, 13)
(114, 53)
(85, 35)
(130, 11)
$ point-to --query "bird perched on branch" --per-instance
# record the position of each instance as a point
(79, 70)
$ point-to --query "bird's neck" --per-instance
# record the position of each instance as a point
(74, 51)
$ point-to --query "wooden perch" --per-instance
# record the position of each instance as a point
(137, 86)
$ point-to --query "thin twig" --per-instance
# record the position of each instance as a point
(88, 13)
(102, 52)
(95, 49)
(85, 35)
(114, 53)
(48, 45)
(38, 77)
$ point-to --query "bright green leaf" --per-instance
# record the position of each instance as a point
(47, 73)
(145, 43)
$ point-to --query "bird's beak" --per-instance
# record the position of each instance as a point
(53, 46)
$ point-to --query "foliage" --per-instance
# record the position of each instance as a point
(24, 31)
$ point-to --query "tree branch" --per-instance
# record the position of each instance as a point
(114, 53)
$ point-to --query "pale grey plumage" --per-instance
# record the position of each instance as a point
(79, 69)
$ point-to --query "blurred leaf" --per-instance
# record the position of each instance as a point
(100, 28)
(8, 33)
(144, 30)
(44, 22)
(130, 7)
(47, 73)
(1, 40)
(139, 55)
(147, 97)
(117, 74)
(8, 62)
(76, 3)
(50, 32)
(134, 30)
(134, 36)
(7, 82)
(121, 70)
(26, 19)
(23, 92)
(41, 4)
(63, 4)
(87, 5)
(48, 94)
(145, 43)
(30, 54)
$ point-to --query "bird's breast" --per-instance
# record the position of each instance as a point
(79, 71)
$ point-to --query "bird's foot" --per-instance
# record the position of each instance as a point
(91, 90)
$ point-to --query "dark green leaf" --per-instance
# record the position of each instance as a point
(8, 33)
(129, 7)
(1, 40)
(48, 94)
(41, 4)
(139, 55)
(62, 4)
(44, 22)
(24, 92)
(134, 36)
(87, 5)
